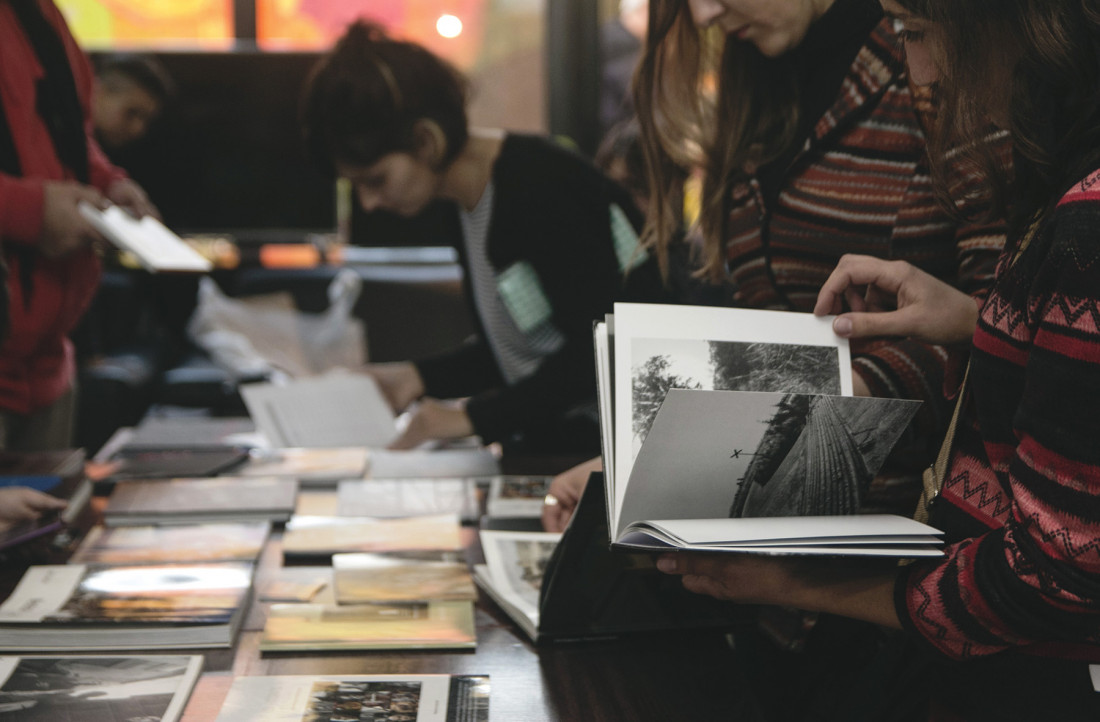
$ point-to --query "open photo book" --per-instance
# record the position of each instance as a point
(735, 430)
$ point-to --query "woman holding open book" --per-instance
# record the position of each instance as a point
(812, 144)
(1003, 626)
(548, 244)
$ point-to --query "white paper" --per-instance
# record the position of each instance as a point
(156, 247)
(431, 463)
(396, 498)
(685, 334)
(42, 591)
(333, 410)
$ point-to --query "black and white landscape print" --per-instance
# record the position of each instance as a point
(758, 454)
(128, 689)
(660, 364)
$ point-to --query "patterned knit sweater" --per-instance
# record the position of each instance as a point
(861, 185)
(1021, 499)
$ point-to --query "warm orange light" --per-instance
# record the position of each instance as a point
(448, 26)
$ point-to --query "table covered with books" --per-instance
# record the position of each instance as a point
(654, 675)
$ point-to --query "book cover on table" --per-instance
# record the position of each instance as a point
(304, 698)
(118, 687)
(172, 606)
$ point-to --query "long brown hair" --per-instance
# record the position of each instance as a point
(688, 83)
(1048, 55)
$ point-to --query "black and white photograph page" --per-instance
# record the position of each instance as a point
(661, 347)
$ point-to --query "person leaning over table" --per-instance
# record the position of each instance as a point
(548, 244)
(812, 146)
(1002, 626)
(48, 164)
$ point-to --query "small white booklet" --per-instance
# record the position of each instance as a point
(155, 246)
(337, 409)
(735, 430)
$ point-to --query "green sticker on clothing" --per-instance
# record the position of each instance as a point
(628, 247)
(521, 292)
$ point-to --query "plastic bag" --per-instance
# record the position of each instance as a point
(267, 336)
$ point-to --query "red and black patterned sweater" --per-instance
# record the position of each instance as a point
(1021, 501)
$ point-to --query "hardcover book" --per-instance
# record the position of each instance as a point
(399, 498)
(215, 499)
(318, 537)
(171, 606)
(48, 689)
(319, 627)
(517, 497)
(232, 541)
(398, 577)
(419, 698)
(311, 467)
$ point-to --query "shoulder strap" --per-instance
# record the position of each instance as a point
(933, 476)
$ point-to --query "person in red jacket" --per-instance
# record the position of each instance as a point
(49, 163)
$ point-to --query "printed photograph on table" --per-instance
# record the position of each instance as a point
(358, 698)
(50, 689)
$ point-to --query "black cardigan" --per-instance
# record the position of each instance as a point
(551, 209)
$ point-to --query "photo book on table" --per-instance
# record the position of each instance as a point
(362, 698)
(315, 539)
(402, 577)
(397, 498)
(77, 607)
(516, 497)
(735, 430)
(312, 468)
(367, 627)
(572, 587)
(192, 501)
(335, 409)
(130, 688)
(231, 541)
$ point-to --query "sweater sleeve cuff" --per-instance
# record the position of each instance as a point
(21, 207)
(901, 607)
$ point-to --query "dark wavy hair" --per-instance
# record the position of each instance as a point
(1034, 63)
(364, 99)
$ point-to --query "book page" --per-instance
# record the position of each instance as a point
(336, 409)
(723, 454)
(658, 347)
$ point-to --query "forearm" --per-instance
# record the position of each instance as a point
(858, 595)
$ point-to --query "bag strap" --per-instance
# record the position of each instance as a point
(933, 476)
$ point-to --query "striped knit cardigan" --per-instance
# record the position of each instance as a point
(1021, 499)
(861, 185)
